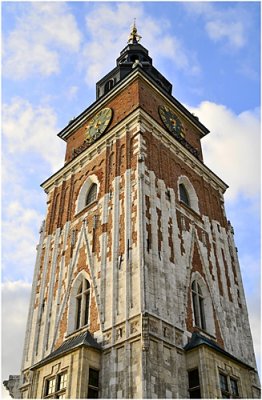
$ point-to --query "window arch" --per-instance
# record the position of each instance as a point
(91, 194)
(198, 305)
(183, 195)
(79, 303)
(187, 193)
(82, 304)
(87, 193)
(202, 306)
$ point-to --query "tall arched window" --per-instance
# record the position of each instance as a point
(198, 305)
(91, 195)
(183, 195)
(82, 304)
(88, 193)
(187, 194)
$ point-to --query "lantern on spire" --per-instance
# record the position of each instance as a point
(134, 37)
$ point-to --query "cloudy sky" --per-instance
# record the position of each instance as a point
(53, 54)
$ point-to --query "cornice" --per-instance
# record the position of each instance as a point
(98, 104)
(144, 122)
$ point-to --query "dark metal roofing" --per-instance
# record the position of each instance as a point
(197, 340)
(83, 339)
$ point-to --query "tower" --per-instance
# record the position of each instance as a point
(137, 290)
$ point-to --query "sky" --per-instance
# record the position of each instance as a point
(53, 53)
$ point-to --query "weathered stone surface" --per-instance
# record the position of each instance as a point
(140, 247)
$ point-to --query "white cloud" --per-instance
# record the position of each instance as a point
(108, 27)
(173, 49)
(31, 151)
(232, 148)
(19, 230)
(228, 26)
(27, 128)
(22, 215)
(232, 151)
(34, 45)
(234, 32)
(15, 303)
(72, 92)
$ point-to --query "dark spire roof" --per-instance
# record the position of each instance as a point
(134, 55)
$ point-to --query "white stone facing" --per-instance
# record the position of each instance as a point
(27, 354)
(51, 300)
(37, 336)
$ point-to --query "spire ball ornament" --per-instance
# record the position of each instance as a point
(134, 37)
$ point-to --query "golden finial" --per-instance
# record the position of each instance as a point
(134, 37)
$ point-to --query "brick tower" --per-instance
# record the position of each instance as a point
(137, 290)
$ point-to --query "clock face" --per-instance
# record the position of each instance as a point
(98, 124)
(171, 120)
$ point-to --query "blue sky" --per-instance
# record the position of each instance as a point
(53, 54)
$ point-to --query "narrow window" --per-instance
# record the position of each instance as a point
(79, 306)
(224, 386)
(234, 387)
(194, 384)
(198, 305)
(183, 195)
(228, 386)
(91, 195)
(108, 86)
(62, 380)
(50, 386)
(82, 304)
(93, 384)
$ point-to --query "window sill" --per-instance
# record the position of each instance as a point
(86, 208)
(190, 210)
(205, 333)
(55, 395)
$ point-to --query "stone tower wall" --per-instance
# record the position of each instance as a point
(140, 247)
(101, 241)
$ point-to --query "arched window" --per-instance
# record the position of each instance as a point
(198, 305)
(183, 195)
(187, 194)
(91, 195)
(88, 192)
(82, 304)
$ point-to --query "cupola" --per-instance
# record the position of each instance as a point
(133, 56)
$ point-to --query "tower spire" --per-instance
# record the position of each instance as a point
(134, 37)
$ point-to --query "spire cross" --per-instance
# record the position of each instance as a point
(134, 37)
